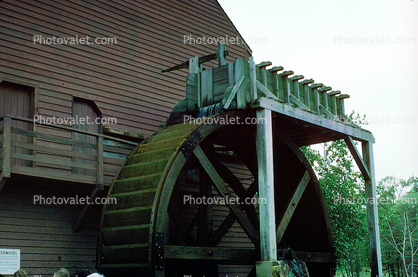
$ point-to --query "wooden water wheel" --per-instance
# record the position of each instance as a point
(154, 231)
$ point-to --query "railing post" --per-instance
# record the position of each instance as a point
(7, 132)
(99, 160)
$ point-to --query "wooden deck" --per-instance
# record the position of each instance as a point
(56, 155)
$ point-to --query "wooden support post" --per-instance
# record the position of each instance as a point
(306, 89)
(239, 71)
(333, 95)
(317, 102)
(206, 89)
(7, 133)
(221, 54)
(100, 171)
(372, 214)
(295, 81)
(273, 71)
(194, 69)
(253, 79)
(286, 84)
(264, 144)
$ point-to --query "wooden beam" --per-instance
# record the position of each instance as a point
(230, 219)
(206, 87)
(320, 121)
(276, 69)
(221, 54)
(243, 256)
(359, 160)
(372, 213)
(223, 190)
(3, 180)
(264, 146)
(264, 64)
(239, 71)
(253, 79)
(266, 92)
(291, 207)
(298, 103)
(182, 229)
(7, 133)
(86, 209)
(324, 110)
(233, 92)
(100, 169)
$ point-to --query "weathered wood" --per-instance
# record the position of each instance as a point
(99, 165)
(310, 118)
(3, 180)
(206, 88)
(324, 110)
(239, 71)
(340, 103)
(7, 133)
(52, 174)
(221, 54)
(372, 212)
(264, 64)
(264, 146)
(81, 218)
(298, 103)
(52, 161)
(276, 69)
(291, 207)
(224, 192)
(263, 72)
(306, 91)
(233, 92)
(51, 150)
(333, 95)
(357, 157)
(237, 256)
(253, 79)
(52, 138)
(266, 92)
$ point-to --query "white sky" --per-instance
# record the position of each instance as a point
(334, 43)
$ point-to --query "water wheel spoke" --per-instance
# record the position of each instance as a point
(193, 223)
(236, 186)
(186, 236)
(222, 230)
(222, 189)
(291, 207)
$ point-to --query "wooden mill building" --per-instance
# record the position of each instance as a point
(120, 79)
(101, 61)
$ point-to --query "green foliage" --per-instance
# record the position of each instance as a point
(342, 185)
(398, 212)
(343, 188)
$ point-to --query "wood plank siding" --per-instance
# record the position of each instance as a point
(124, 81)
(124, 78)
(44, 233)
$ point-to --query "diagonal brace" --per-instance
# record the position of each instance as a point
(359, 160)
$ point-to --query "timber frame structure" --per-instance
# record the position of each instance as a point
(143, 234)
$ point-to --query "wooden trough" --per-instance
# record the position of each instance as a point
(249, 150)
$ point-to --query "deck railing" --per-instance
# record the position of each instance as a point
(55, 152)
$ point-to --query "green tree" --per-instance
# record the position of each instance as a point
(343, 189)
(399, 224)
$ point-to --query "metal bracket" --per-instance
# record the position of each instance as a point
(158, 251)
(188, 147)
